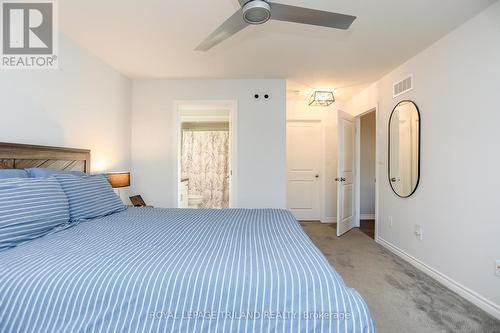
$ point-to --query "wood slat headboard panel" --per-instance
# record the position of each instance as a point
(19, 156)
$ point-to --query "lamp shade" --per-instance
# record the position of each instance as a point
(119, 179)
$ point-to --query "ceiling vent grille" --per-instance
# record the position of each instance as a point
(403, 86)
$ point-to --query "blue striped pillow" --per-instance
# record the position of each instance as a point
(89, 197)
(30, 208)
(13, 173)
(45, 173)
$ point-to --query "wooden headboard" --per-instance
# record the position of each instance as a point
(18, 156)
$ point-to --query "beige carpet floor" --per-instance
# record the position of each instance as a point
(401, 298)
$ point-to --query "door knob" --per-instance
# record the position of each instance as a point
(337, 179)
(317, 176)
(393, 179)
(342, 179)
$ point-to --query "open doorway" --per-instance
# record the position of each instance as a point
(367, 172)
(205, 155)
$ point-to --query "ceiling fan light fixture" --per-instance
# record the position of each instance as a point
(256, 12)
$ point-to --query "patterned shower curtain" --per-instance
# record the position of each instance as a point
(205, 161)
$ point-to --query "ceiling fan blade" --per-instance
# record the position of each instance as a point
(232, 25)
(288, 13)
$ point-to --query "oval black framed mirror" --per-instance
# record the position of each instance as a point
(404, 149)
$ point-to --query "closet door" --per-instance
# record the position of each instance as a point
(303, 169)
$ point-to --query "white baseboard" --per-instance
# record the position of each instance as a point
(367, 216)
(329, 220)
(471, 296)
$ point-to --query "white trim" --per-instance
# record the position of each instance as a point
(208, 119)
(360, 216)
(232, 105)
(329, 220)
(357, 178)
(378, 163)
(471, 296)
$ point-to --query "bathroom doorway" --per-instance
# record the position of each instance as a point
(205, 155)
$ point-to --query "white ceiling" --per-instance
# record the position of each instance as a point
(156, 39)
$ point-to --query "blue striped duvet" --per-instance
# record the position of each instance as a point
(174, 270)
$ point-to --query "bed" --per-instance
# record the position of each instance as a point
(177, 270)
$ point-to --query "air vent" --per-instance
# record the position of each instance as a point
(403, 86)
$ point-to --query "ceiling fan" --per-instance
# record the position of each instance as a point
(260, 11)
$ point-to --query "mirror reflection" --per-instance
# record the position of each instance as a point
(404, 149)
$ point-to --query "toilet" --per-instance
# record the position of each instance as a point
(195, 201)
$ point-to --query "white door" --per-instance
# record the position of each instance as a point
(346, 216)
(303, 169)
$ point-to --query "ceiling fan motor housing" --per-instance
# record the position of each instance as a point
(256, 12)
(259, 12)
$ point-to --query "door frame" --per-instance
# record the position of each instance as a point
(322, 187)
(358, 168)
(232, 106)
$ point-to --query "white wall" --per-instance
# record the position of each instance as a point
(457, 84)
(84, 104)
(298, 109)
(367, 164)
(261, 178)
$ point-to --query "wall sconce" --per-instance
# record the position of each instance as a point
(322, 98)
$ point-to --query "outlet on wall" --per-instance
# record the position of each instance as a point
(389, 220)
(418, 231)
(497, 268)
